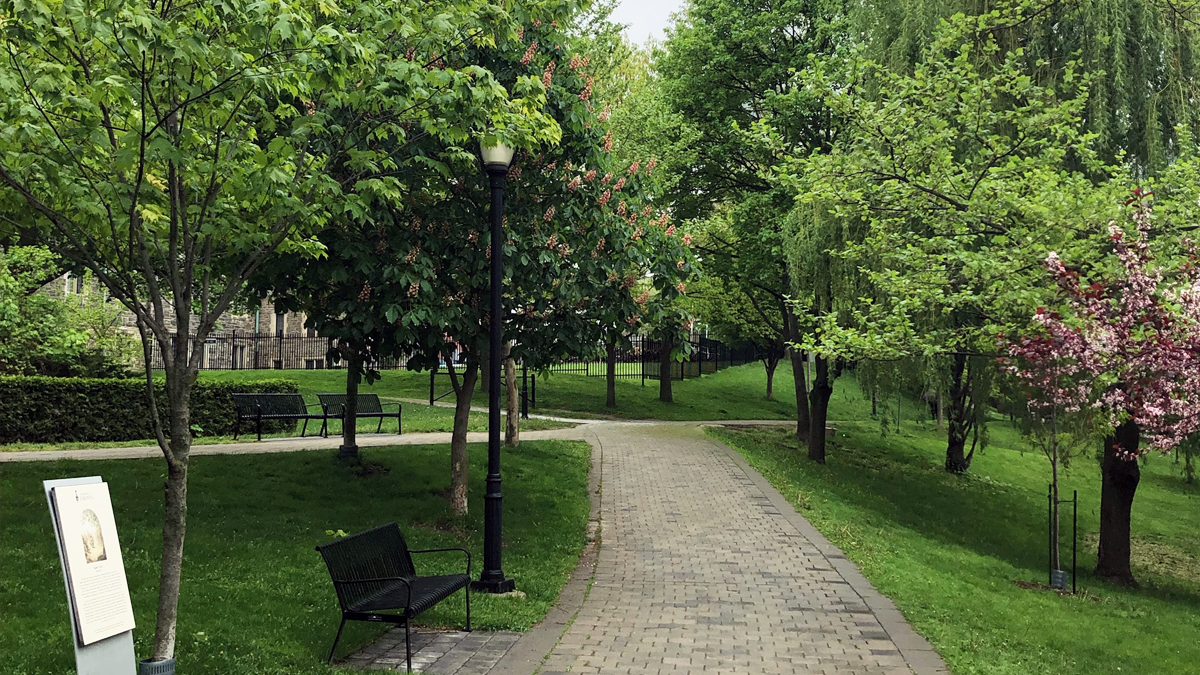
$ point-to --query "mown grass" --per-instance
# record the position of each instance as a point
(256, 597)
(732, 393)
(737, 393)
(947, 549)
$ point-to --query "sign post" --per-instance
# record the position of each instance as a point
(94, 575)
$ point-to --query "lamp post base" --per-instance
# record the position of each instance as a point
(494, 586)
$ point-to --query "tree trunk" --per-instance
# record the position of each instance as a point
(178, 391)
(610, 373)
(771, 363)
(959, 419)
(802, 417)
(512, 433)
(819, 399)
(665, 362)
(349, 447)
(1118, 486)
(459, 462)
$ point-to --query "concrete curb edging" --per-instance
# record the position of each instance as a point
(531, 649)
(920, 656)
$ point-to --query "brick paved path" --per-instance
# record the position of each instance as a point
(702, 570)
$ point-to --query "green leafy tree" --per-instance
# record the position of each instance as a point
(1140, 54)
(171, 149)
(36, 333)
(734, 314)
(722, 70)
(958, 203)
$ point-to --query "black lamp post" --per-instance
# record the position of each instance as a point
(496, 159)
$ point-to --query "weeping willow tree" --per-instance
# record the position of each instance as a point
(1140, 55)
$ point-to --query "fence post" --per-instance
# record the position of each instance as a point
(524, 389)
(432, 380)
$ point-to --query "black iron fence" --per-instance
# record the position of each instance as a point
(637, 357)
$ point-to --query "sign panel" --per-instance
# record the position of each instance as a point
(109, 656)
(98, 591)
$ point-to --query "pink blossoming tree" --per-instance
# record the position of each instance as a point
(1128, 346)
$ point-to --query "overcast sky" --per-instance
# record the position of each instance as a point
(646, 18)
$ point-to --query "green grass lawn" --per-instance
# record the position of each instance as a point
(256, 597)
(730, 394)
(947, 548)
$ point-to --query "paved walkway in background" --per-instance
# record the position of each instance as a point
(702, 567)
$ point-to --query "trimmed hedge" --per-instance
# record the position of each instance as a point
(66, 409)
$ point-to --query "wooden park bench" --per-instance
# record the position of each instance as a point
(373, 576)
(368, 406)
(269, 407)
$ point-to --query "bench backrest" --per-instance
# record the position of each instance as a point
(371, 554)
(248, 405)
(333, 403)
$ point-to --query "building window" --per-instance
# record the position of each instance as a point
(280, 324)
(310, 332)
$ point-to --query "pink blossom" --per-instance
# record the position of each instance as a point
(1129, 346)
(681, 287)
(670, 231)
(549, 214)
(548, 74)
(590, 176)
(605, 197)
(620, 184)
(529, 53)
(633, 168)
(687, 240)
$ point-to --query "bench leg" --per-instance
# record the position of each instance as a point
(236, 428)
(258, 426)
(380, 427)
(335, 640)
(407, 646)
(303, 429)
(468, 608)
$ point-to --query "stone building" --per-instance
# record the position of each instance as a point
(261, 339)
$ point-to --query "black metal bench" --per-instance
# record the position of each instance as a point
(287, 407)
(373, 572)
(369, 406)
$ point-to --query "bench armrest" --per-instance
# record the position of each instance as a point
(371, 580)
(445, 550)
